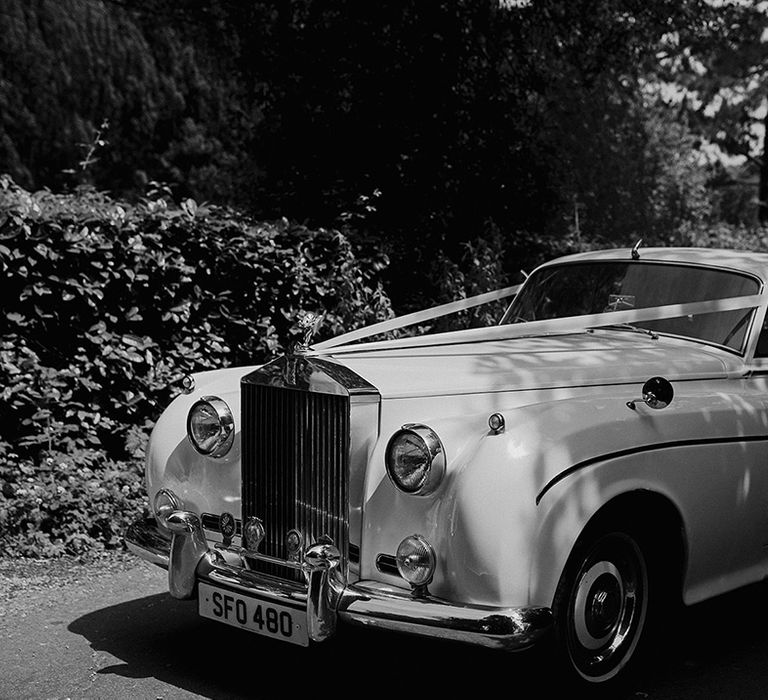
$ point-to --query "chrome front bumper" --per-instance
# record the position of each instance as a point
(189, 559)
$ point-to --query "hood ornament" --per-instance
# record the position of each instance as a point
(309, 322)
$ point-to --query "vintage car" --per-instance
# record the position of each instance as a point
(568, 474)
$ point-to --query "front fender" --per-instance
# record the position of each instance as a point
(492, 516)
(480, 521)
(205, 485)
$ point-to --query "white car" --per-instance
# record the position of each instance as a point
(572, 472)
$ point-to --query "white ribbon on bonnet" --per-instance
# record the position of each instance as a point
(570, 324)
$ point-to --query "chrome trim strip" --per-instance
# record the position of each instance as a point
(326, 598)
(645, 448)
(387, 564)
(243, 553)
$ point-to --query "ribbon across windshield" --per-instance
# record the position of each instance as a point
(593, 288)
(708, 304)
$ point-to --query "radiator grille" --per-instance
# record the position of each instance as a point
(295, 453)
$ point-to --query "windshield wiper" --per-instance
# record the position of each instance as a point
(625, 327)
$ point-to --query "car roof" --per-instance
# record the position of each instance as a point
(740, 260)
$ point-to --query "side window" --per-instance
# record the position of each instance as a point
(762, 341)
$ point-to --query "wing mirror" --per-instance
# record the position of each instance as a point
(657, 393)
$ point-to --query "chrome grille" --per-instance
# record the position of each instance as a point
(295, 466)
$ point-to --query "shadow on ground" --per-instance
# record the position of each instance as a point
(163, 638)
(716, 649)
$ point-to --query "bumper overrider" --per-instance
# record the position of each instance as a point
(181, 548)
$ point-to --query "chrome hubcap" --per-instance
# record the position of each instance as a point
(603, 612)
(599, 604)
(607, 609)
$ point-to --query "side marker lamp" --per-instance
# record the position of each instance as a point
(165, 503)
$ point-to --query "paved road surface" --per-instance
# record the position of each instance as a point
(98, 632)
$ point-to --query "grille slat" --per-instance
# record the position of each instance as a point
(295, 466)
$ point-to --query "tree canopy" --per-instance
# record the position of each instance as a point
(539, 125)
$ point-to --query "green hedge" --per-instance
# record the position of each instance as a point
(106, 305)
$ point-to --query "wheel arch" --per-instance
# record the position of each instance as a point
(651, 515)
(665, 527)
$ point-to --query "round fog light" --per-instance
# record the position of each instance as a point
(166, 501)
(416, 560)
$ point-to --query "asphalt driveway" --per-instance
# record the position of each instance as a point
(109, 630)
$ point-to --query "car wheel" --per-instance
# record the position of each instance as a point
(601, 608)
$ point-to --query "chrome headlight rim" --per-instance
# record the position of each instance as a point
(433, 447)
(223, 442)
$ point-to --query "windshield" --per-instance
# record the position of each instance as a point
(578, 289)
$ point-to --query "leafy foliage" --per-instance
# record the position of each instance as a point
(715, 78)
(74, 503)
(528, 117)
(107, 305)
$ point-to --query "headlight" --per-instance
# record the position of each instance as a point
(416, 560)
(415, 459)
(210, 426)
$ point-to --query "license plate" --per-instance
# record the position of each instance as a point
(259, 616)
